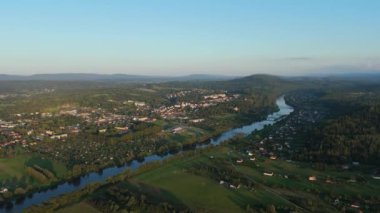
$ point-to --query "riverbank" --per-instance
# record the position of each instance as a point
(243, 174)
(93, 177)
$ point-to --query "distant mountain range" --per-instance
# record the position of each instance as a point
(256, 78)
(112, 77)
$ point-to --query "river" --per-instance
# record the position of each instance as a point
(93, 177)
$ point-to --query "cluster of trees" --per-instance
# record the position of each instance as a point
(346, 139)
(350, 132)
(118, 198)
(221, 170)
(62, 201)
(40, 174)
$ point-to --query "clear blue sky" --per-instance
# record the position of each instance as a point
(173, 37)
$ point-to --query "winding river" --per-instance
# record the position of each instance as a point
(66, 187)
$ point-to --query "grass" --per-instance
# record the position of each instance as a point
(300, 181)
(201, 192)
(81, 207)
(175, 182)
(60, 169)
(16, 166)
(12, 167)
(189, 134)
(195, 191)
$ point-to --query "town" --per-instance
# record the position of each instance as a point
(89, 130)
(24, 129)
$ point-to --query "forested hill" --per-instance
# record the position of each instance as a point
(258, 82)
(75, 81)
(350, 130)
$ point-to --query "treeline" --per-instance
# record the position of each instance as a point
(41, 174)
(121, 197)
(62, 201)
(116, 196)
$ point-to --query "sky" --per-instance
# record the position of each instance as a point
(180, 37)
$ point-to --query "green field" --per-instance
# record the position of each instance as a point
(174, 181)
(81, 207)
(16, 167)
(194, 191)
(203, 193)
(12, 167)
(59, 169)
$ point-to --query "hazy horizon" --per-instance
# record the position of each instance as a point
(171, 38)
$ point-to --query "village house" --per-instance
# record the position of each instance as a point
(46, 115)
(142, 119)
(177, 130)
(3, 190)
(74, 129)
(273, 157)
(215, 96)
(268, 174)
(336, 202)
(125, 128)
(49, 132)
(355, 205)
(122, 130)
(5, 144)
(234, 187)
(240, 161)
(199, 120)
(59, 137)
(139, 104)
(69, 112)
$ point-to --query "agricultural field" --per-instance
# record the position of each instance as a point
(281, 189)
(194, 180)
(12, 167)
(19, 172)
(202, 193)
